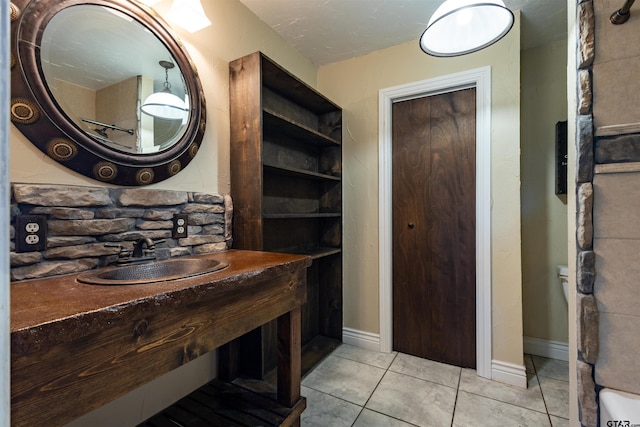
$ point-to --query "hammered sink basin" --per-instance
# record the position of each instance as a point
(151, 272)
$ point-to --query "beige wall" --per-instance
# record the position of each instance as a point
(544, 214)
(117, 104)
(76, 100)
(235, 32)
(354, 84)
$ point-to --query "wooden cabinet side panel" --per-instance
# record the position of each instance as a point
(245, 151)
(330, 296)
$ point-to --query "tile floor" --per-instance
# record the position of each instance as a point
(357, 387)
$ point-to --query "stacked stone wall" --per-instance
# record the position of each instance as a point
(587, 310)
(87, 227)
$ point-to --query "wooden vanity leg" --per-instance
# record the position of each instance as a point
(289, 358)
(228, 361)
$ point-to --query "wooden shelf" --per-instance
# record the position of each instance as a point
(314, 253)
(241, 402)
(300, 173)
(276, 124)
(285, 83)
(302, 215)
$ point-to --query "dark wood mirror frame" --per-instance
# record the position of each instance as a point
(37, 115)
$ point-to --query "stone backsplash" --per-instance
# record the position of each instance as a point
(87, 227)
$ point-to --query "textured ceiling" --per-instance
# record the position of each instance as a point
(326, 31)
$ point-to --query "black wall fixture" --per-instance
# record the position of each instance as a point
(561, 157)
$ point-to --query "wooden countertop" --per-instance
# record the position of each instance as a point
(53, 310)
(70, 339)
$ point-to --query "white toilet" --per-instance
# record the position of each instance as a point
(563, 275)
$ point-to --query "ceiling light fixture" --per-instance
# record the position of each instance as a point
(164, 104)
(459, 27)
(189, 15)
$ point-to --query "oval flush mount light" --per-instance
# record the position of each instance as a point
(459, 27)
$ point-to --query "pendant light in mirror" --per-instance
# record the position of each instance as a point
(459, 27)
(164, 104)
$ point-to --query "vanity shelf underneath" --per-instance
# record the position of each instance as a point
(242, 402)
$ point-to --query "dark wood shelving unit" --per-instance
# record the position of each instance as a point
(299, 173)
(286, 183)
(303, 215)
(280, 125)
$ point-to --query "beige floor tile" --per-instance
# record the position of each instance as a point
(413, 400)
(374, 419)
(374, 358)
(477, 411)
(345, 379)
(324, 410)
(556, 396)
(529, 398)
(400, 390)
(551, 368)
(558, 421)
(426, 370)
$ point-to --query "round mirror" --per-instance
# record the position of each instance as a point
(105, 88)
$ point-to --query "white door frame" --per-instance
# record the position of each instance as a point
(479, 78)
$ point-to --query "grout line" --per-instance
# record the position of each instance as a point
(364, 363)
(389, 416)
(335, 397)
(374, 389)
(546, 376)
(535, 372)
(455, 402)
(380, 380)
(357, 416)
(508, 403)
(422, 379)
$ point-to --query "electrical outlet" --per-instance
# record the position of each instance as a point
(31, 233)
(179, 226)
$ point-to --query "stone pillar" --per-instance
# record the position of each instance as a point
(587, 315)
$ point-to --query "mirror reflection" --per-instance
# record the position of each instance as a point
(106, 72)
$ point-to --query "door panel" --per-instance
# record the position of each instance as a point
(433, 189)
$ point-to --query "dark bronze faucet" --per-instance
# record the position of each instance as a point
(144, 250)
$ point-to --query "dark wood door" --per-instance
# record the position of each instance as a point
(434, 194)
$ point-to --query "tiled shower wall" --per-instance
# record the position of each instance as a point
(608, 204)
(88, 226)
(616, 186)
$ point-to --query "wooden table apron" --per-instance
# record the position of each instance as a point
(68, 367)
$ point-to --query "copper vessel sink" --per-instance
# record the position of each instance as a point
(151, 272)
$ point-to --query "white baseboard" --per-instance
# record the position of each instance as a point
(545, 348)
(509, 373)
(362, 339)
